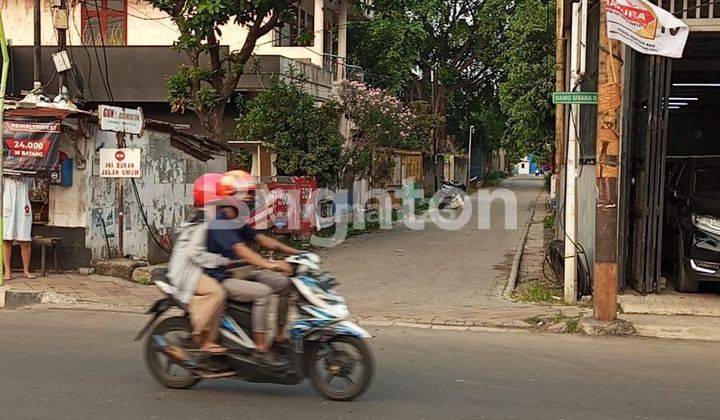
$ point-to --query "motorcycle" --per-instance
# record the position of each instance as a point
(324, 345)
(452, 195)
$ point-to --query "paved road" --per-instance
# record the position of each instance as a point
(433, 272)
(82, 365)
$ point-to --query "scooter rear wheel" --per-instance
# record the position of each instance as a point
(174, 330)
(344, 360)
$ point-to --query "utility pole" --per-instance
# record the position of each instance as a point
(607, 175)
(37, 46)
(577, 68)
(61, 26)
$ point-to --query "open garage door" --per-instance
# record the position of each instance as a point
(644, 160)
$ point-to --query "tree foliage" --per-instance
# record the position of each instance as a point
(493, 59)
(382, 122)
(209, 79)
(305, 136)
(526, 92)
(457, 40)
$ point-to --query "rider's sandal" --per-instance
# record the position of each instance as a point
(215, 349)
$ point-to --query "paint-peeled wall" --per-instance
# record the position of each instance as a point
(165, 195)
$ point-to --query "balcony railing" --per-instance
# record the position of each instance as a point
(342, 71)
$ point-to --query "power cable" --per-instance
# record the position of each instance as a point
(87, 53)
(107, 69)
(97, 57)
(145, 219)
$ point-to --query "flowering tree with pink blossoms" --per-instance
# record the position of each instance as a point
(381, 122)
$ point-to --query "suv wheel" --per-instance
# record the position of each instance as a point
(683, 282)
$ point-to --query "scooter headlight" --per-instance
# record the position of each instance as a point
(707, 223)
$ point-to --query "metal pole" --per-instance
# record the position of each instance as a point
(37, 48)
(120, 196)
(3, 87)
(62, 46)
(472, 131)
(433, 131)
(560, 87)
(607, 175)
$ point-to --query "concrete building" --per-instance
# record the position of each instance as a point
(83, 209)
(136, 58)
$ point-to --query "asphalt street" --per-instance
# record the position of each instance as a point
(59, 364)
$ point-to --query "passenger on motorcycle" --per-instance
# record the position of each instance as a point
(230, 236)
(203, 295)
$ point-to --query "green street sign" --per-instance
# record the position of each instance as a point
(575, 98)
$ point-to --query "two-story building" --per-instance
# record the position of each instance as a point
(122, 48)
(121, 54)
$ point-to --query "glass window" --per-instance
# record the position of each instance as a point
(296, 33)
(104, 21)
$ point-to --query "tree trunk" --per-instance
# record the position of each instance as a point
(212, 123)
(441, 111)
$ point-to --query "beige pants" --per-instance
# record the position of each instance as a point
(206, 308)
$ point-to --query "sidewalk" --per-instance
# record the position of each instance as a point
(428, 279)
(666, 314)
(82, 291)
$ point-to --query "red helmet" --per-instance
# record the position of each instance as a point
(238, 183)
(205, 189)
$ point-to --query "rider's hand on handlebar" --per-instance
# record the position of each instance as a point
(283, 267)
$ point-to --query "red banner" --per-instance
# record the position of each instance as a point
(31, 146)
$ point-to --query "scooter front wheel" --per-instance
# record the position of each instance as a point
(174, 331)
(341, 369)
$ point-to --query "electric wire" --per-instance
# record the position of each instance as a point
(107, 69)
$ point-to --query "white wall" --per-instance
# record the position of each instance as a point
(165, 190)
(65, 209)
(523, 167)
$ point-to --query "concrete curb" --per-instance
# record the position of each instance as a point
(14, 299)
(512, 278)
(423, 326)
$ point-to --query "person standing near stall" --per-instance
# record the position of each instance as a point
(17, 223)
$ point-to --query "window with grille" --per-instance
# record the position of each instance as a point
(104, 21)
(299, 32)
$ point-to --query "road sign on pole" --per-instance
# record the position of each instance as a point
(589, 98)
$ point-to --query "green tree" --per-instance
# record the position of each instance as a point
(460, 40)
(209, 79)
(305, 136)
(528, 59)
(382, 122)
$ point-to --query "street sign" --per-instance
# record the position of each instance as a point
(121, 120)
(120, 163)
(575, 98)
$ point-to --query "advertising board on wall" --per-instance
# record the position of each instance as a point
(32, 146)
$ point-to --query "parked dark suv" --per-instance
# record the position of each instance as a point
(692, 221)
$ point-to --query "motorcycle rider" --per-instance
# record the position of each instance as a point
(187, 282)
(230, 236)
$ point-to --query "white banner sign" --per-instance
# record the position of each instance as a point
(122, 120)
(646, 28)
(120, 163)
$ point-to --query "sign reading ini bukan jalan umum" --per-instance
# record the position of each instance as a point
(120, 163)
